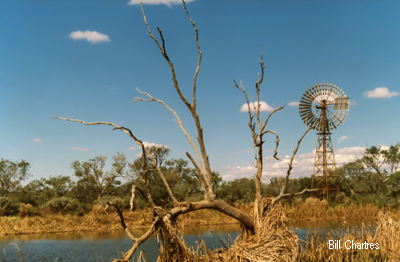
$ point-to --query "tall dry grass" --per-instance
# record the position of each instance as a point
(387, 235)
(314, 209)
(98, 220)
(26, 210)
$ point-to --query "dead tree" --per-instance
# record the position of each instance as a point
(164, 223)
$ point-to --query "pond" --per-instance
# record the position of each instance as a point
(94, 246)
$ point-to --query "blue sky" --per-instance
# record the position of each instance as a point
(84, 59)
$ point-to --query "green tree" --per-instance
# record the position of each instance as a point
(374, 158)
(392, 157)
(94, 180)
(182, 179)
(12, 174)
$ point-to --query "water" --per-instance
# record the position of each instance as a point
(92, 246)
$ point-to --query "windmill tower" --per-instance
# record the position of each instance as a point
(324, 108)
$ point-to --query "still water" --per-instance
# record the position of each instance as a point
(91, 246)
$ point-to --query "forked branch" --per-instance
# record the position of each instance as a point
(258, 141)
(192, 107)
(200, 168)
(139, 142)
(283, 189)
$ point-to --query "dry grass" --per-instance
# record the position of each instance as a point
(387, 235)
(26, 210)
(314, 209)
(273, 242)
(98, 220)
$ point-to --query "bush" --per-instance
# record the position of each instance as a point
(26, 210)
(315, 203)
(121, 203)
(7, 207)
(98, 210)
(62, 204)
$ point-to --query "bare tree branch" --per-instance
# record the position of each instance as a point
(139, 142)
(126, 229)
(258, 139)
(191, 107)
(199, 60)
(178, 120)
(284, 187)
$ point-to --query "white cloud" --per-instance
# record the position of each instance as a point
(138, 155)
(380, 92)
(158, 2)
(148, 144)
(342, 138)
(303, 164)
(353, 102)
(108, 87)
(293, 104)
(79, 149)
(251, 151)
(264, 107)
(37, 140)
(90, 36)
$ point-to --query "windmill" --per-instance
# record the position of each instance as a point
(324, 108)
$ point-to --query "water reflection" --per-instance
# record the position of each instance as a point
(103, 246)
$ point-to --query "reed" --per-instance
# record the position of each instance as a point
(387, 236)
(314, 209)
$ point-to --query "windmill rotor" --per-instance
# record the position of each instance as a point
(324, 97)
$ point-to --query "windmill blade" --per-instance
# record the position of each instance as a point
(324, 88)
(335, 90)
(320, 89)
(305, 103)
(306, 115)
(302, 107)
(309, 118)
(315, 119)
(335, 121)
(332, 124)
(309, 92)
(317, 126)
(342, 113)
(330, 89)
(315, 93)
(309, 95)
(306, 100)
(338, 120)
(305, 108)
(312, 122)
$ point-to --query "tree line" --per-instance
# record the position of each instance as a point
(362, 180)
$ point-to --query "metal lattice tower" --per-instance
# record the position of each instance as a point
(324, 108)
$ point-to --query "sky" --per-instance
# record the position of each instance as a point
(85, 59)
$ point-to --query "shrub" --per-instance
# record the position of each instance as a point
(25, 210)
(315, 203)
(7, 208)
(62, 204)
(121, 203)
(98, 210)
